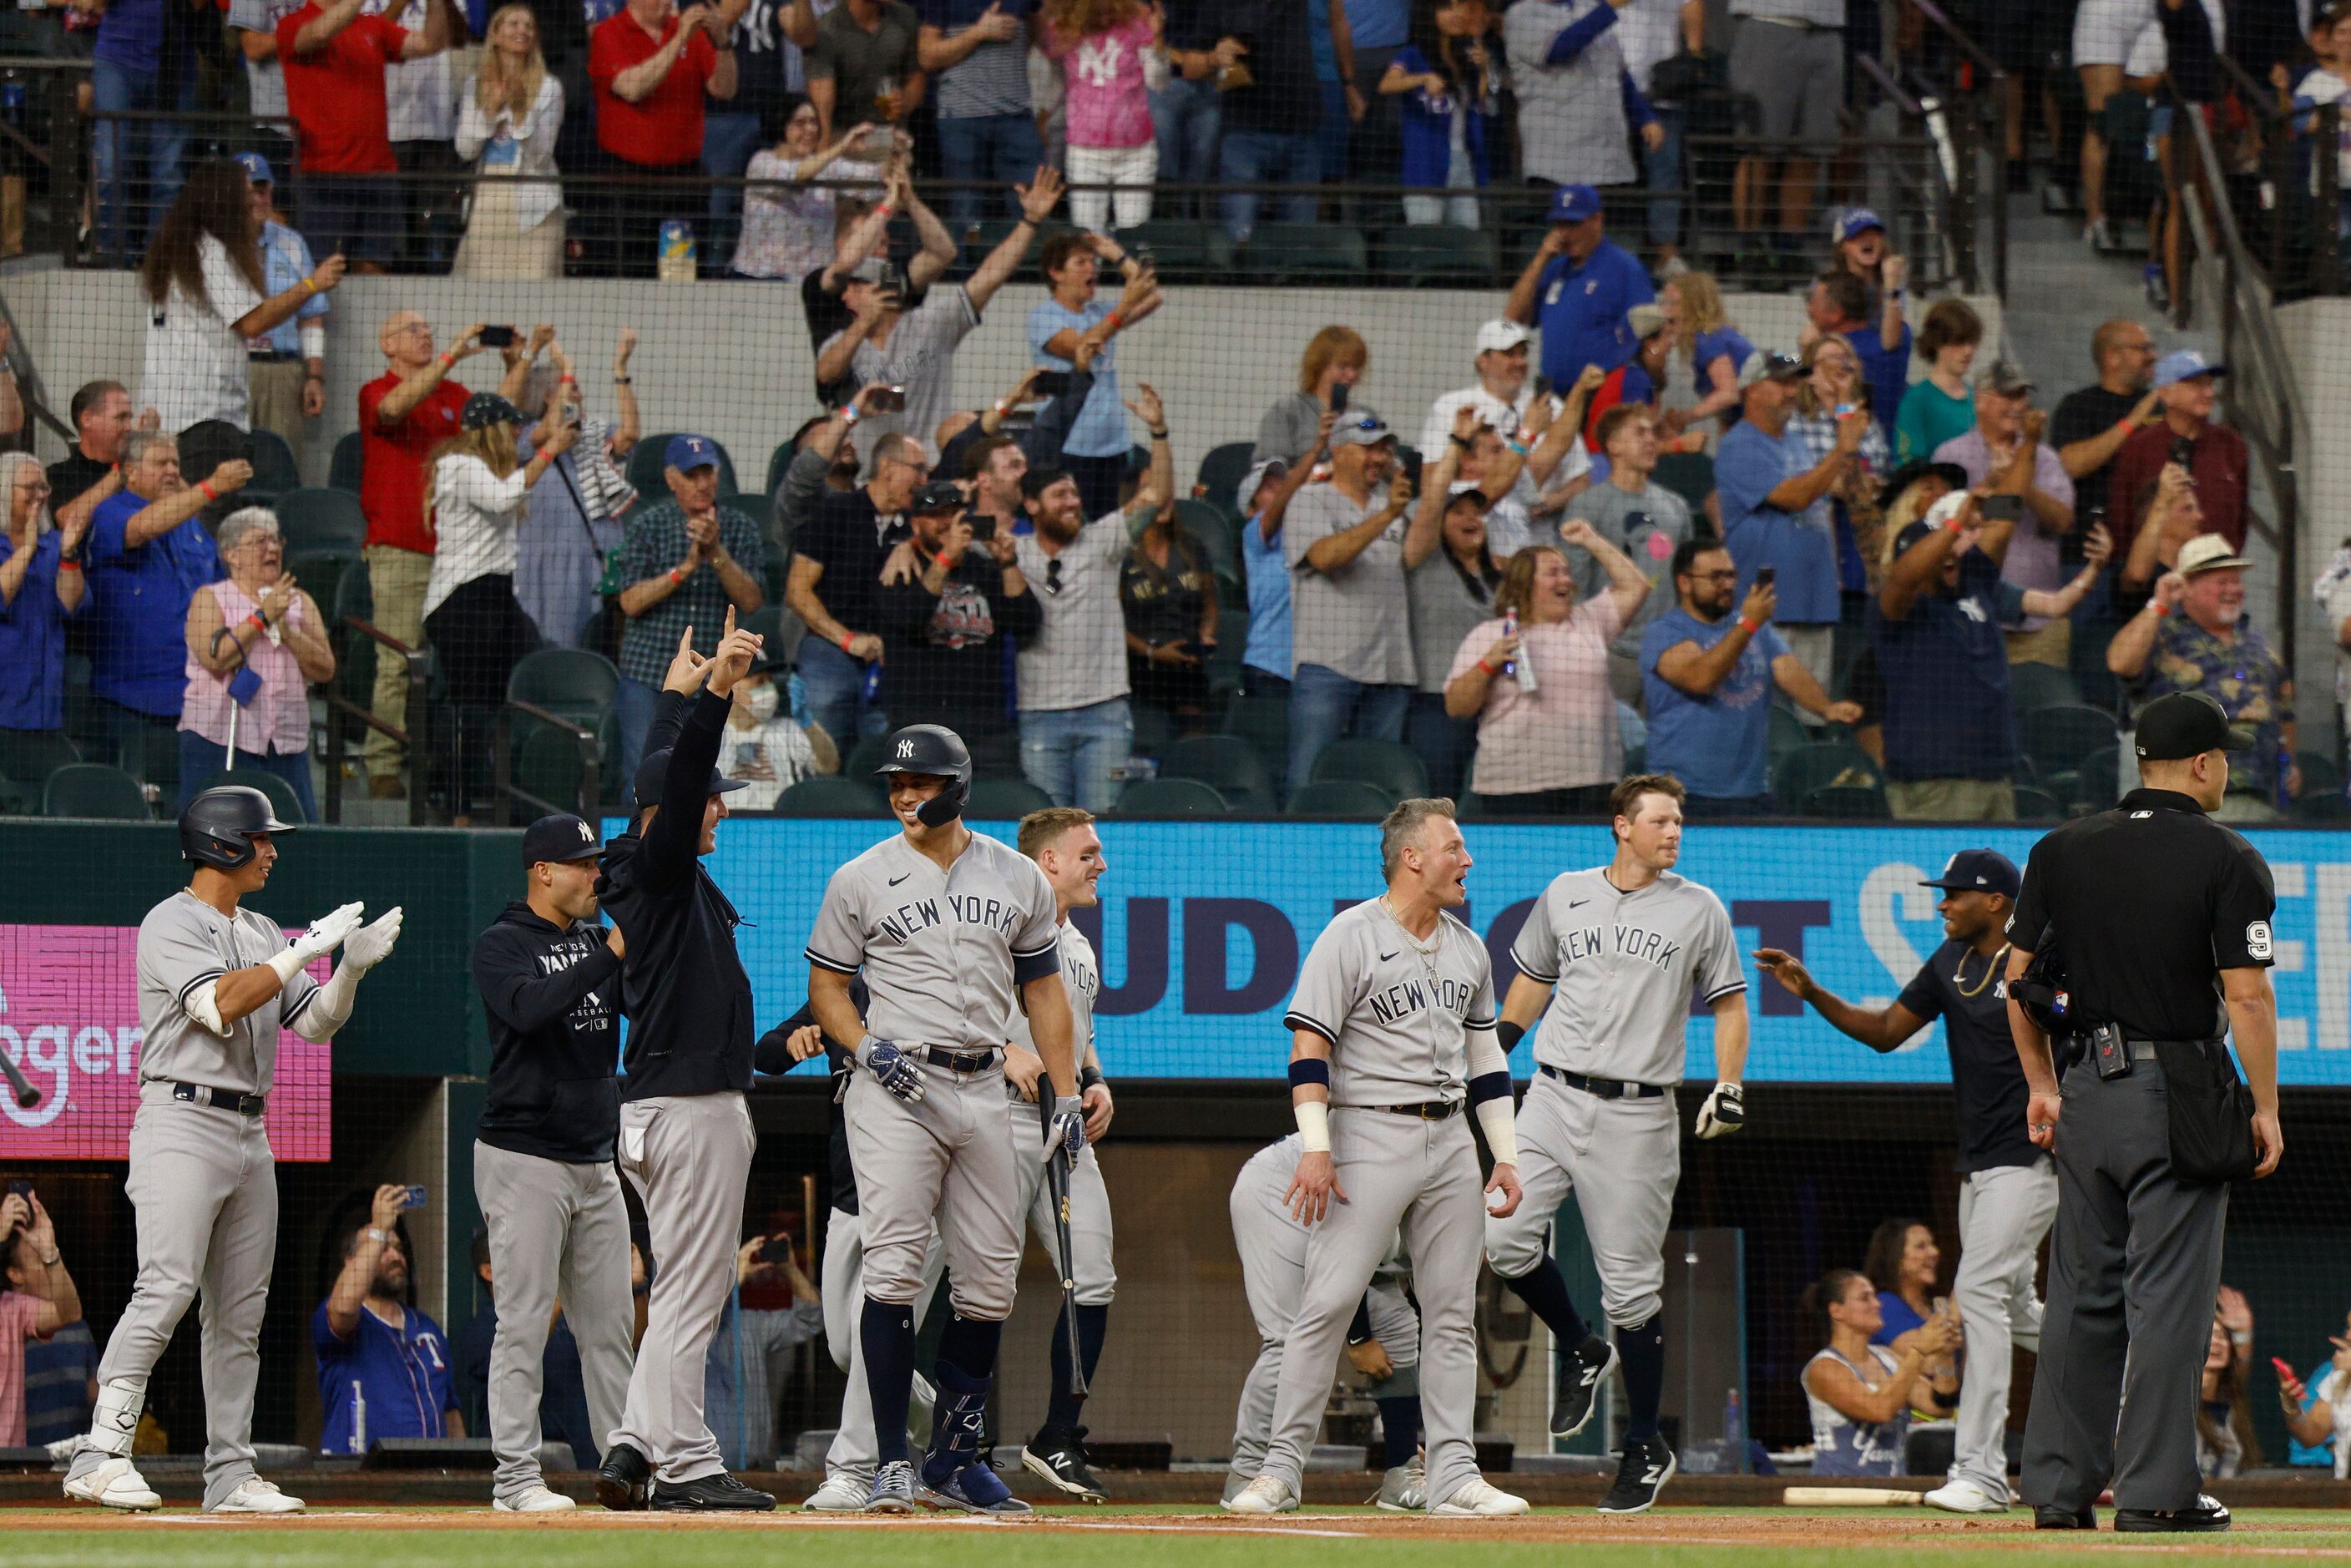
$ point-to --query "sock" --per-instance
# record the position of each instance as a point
(1641, 1352)
(1067, 1407)
(1544, 1289)
(1400, 1429)
(966, 1372)
(886, 1333)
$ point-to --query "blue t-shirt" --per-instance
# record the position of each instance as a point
(285, 263)
(1716, 745)
(139, 645)
(1712, 346)
(405, 1374)
(1899, 1317)
(1371, 25)
(1100, 429)
(1946, 669)
(1887, 371)
(1267, 571)
(57, 1373)
(131, 35)
(1747, 467)
(1581, 310)
(33, 643)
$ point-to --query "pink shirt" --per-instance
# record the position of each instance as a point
(279, 718)
(1108, 106)
(1563, 735)
(18, 1314)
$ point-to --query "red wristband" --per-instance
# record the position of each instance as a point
(67, 563)
(206, 491)
(260, 622)
(1749, 625)
(1488, 668)
(846, 639)
(944, 559)
(675, 581)
(1114, 320)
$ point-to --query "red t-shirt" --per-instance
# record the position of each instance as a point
(336, 95)
(666, 125)
(391, 476)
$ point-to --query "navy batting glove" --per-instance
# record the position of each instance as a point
(893, 1068)
(1066, 1133)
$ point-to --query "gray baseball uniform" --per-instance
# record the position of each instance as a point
(1396, 1013)
(1621, 967)
(943, 954)
(853, 1450)
(203, 1180)
(1090, 1230)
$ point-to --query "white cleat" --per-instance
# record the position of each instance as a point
(843, 1492)
(1963, 1496)
(1236, 1483)
(115, 1484)
(1478, 1498)
(257, 1496)
(536, 1500)
(1267, 1494)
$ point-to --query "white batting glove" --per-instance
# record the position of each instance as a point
(1724, 1111)
(327, 933)
(372, 944)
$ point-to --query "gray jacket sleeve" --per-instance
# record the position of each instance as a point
(802, 488)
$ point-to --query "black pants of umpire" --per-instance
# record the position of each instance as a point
(2133, 1273)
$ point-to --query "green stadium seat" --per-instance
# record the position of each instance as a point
(829, 795)
(320, 572)
(1155, 729)
(321, 520)
(1439, 253)
(1221, 473)
(1213, 531)
(1227, 764)
(1264, 723)
(343, 470)
(2320, 774)
(274, 470)
(1351, 798)
(1786, 733)
(1848, 802)
(2032, 687)
(1305, 253)
(1232, 636)
(570, 682)
(95, 789)
(548, 764)
(30, 756)
(1388, 767)
(870, 752)
(1182, 251)
(1822, 764)
(2058, 739)
(1003, 799)
(647, 459)
(282, 800)
(778, 461)
(1163, 800)
(1691, 476)
(760, 510)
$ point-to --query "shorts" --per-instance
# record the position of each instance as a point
(361, 216)
(2103, 30)
(1794, 79)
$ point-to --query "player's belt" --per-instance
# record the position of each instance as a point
(1425, 1110)
(219, 1098)
(1606, 1088)
(959, 1060)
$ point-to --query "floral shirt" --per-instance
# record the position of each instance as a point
(2243, 675)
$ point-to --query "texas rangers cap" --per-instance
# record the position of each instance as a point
(687, 453)
(2184, 365)
(2186, 723)
(256, 167)
(1572, 205)
(651, 771)
(1977, 871)
(1855, 221)
(560, 837)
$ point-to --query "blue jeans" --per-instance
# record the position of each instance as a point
(201, 763)
(1075, 754)
(977, 147)
(727, 142)
(116, 148)
(1445, 744)
(1266, 158)
(1664, 169)
(1325, 706)
(1183, 121)
(634, 709)
(836, 693)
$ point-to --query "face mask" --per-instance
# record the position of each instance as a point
(761, 701)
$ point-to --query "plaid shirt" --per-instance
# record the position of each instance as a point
(2242, 674)
(656, 543)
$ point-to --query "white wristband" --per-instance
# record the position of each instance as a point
(289, 964)
(1500, 1124)
(1314, 1124)
(314, 340)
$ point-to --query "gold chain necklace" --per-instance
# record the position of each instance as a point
(1958, 973)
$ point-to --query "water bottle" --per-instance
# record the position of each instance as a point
(873, 683)
(359, 1418)
(675, 249)
(1522, 670)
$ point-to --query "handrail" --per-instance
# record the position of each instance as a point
(1989, 110)
(1951, 30)
(2252, 91)
(1892, 89)
(502, 764)
(341, 712)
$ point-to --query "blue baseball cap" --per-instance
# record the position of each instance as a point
(1572, 205)
(256, 167)
(2184, 365)
(1854, 221)
(687, 453)
(1977, 871)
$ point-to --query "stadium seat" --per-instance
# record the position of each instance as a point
(343, 470)
(546, 765)
(320, 572)
(1227, 764)
(1264, 723)
(760, 510)
(1162, 800)
(1848, 802)
(1005, 800)
(1302, 253)
(778, 461)
(282, 800)
(828, 795)
(2038, 806)
(95, 789)
(321, 520)
(1786, 733)
(1155, 729)
(1182, 252)
(2320, 774)
(1232, 636)
(1691, 476)
(1388, 767)
(2057, 739)
(1439, 253)
(1351, 798)
(647, 459)
(1820, 765)
(2311, 808)
(570, 682)
(2032, 687)
(1221, 473)
(30, 756)
(869, 753)
(1213, 532)
(2097, 783)
(274, 470)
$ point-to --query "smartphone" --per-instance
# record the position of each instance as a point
(1339, 398)
(2183, 452)
(983, 526)
(889, 400)
(2286, 1374)
(20, 1189)
(498, 337)
(1765, 576)
(415, 1198)
(1542, 386)
(778, 1250)
(1144, 257)
(1050, 384)
(2002, 509)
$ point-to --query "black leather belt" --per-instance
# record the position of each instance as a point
(1606, 1088)
(1423, 1110)
(274, 357)
(958, 1060)
(219, 1098)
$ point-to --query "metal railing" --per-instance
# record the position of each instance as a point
(347, 720)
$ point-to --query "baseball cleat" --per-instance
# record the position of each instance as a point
(893, 1489)
(623, 1479)
(1963, 1496)
(1267, 1494)
(1641, 1475)
(1582, 1371)
(114, 1484)
(1404, 1489)
(2050, 1517)
(974, 1488)
(256, 1496)
(2208, 1514)
(534, 1500)
(843, 1492)
(719, 1493)
(1057, 1455)
(1480, 1500)
(1236, 1483)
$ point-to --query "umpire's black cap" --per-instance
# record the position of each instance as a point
(217, 827)
(935, 749)
(655, 767)
(560, 836)
(2186, 723)
(1977, 871)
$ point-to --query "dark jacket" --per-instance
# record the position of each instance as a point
(946, 649)
(774, 1059)
(555, 1037)
(682, 987)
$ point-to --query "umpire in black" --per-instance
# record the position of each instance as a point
(2158, 918)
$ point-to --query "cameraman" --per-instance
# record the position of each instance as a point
(942, 617)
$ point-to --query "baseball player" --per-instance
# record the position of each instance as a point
(216, 983)
(1393, 1036)
(2007, 1188)
(686, 1139)
(1066, 848)
(550, 977)
(1382, 1341)
(953, 931)
(1608, 959)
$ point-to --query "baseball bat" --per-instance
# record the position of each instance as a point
(26, 1094)
(1849, 1497)
(1058, 1167)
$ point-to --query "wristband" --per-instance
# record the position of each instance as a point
(1313, 1125)
(1953, 526)
(1460, 442)
(68, 563)
(205, 490)
(846, 639)
(447, 358)
(308, 286)
(378, 1236)
(848, 415)
(943, 560)
(1510, 1034)
(569, 380)
(1487, 667)
(1090, 1077)
(675, 581)
(286, 964)
(1749, 625)
(260, 622)
(1003, 407)
(884, 209)
(1160, 433)
(1114, 320)
(618, 381)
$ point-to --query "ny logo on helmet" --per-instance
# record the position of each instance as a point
(587, 834)
(905, 749)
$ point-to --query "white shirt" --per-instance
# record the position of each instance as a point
(419, 96)
(782, 745)
(195, 367)
(1650, 31)
(1504, 417)
(507, 146)
(475, 514)
(2150, 55)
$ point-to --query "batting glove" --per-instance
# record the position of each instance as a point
(327, 932)
(1066, 1133)
(372, 944)
(1724, 1111)
(893, 1068)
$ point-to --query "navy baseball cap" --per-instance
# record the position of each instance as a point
(1855, 221)
(560, 837)
(256, 167)
(485, 409)
(2186, 723)
(687, 453)
(1977, 871)
(1572, 205)
(653, 768)
(938, 495)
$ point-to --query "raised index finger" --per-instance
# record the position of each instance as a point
(729, 632)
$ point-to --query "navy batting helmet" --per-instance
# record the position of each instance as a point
(932, 748)
(216, 828)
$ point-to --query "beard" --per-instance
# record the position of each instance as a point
(389, 1284)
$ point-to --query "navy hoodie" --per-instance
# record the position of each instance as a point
(552, 995)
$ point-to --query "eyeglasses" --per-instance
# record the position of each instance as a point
(1714, 576)
(1053, 575)
(33, 486)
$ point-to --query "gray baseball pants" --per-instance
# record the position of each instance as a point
(855, 1451)
(558, 1231)
(2133, 1274)
(689, 1156)
(2003, 1214)
(940, 1169)
(1089, 1231)
(1272, 1246)
(1622, 1159)
(1422, 1175)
